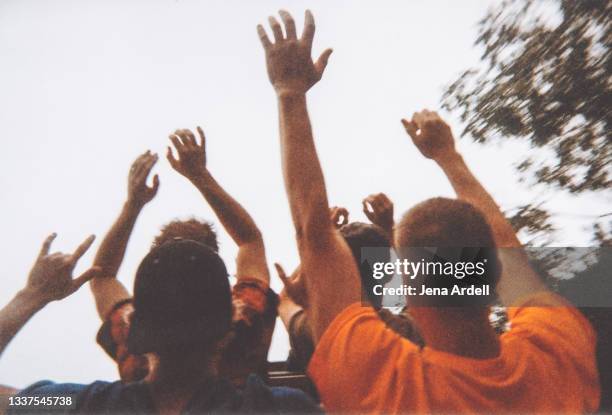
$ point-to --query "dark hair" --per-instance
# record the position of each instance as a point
(191, 229)
(360, 235)
(459, 232)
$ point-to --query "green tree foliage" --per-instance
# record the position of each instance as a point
(545, 79)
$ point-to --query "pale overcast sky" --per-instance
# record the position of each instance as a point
(88, 85)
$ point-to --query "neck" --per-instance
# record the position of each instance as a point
(184, 370)
(175, 381)
(463, 331)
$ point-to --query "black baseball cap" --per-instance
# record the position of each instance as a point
(182, 297)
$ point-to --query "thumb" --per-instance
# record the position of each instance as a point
(155, 184)
(321, 63)
(86, 276)
(410, 127)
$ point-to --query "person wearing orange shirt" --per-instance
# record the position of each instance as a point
(545, 363)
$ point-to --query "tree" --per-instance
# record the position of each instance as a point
(545, 79)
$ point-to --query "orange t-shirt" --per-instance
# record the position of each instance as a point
(546, 365)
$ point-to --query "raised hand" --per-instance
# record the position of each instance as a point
(294, 285)
(290, 65)
(139, 194)
(191, 161)
(339, 216)
(379, 210)
(430, 134)
(51, 277)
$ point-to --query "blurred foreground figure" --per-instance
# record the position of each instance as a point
(182, 314)
(545, 363)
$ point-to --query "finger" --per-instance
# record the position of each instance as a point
(429, 115)
(263, 36)
(83, 248)
(282, 274)
(192, 138)
(289, 24)
(170, 156)
(335, 216)
(309, 29)
(333, 211)
(366, 208)
(182, 136)
(86, 276)
(344, 215)
(140, 175)
(44, 251)
(410, 128)
(383, 198)
(370, 199)
(321, 63)
(376, 203)
(418, 118)
(155, 185)
(370, 210)
(344, 218)
(276, 29)
(148, 164)
(202, 137)
(137, 164)
(141, 157)
(178, 145)
(188, 138)
(138, 160)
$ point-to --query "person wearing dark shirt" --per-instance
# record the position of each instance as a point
(254, 303)
(182, 315)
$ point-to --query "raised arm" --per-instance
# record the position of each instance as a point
(191, 163)
(107, 290)
(50, 280)
(332, 279)
(433, 137)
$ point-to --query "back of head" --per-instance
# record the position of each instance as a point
(182, 300)
(191, 229)
(454, 232)
(444, 222)
(358, 236)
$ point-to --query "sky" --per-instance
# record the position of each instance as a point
(89, 85)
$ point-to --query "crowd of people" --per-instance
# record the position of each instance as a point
(185, 341)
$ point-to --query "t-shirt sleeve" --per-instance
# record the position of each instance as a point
(558, 330)
(253, 320)
(114, 329)
(112, 337)
(550, 318)
(359, 346)
(254, 302)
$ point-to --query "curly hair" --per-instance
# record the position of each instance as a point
(192, 229)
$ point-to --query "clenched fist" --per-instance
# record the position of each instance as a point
(431, 135)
